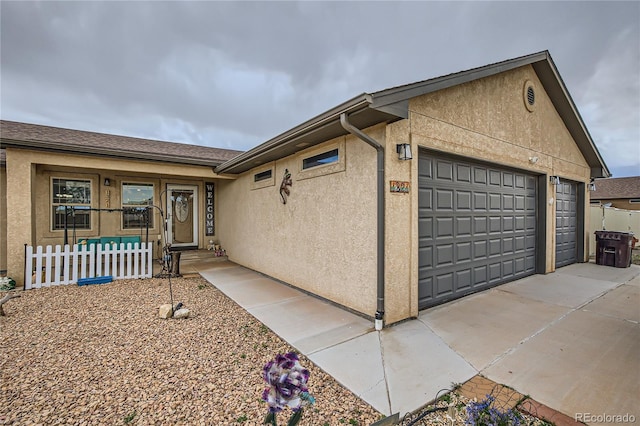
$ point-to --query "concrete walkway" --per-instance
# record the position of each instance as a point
(570, 340)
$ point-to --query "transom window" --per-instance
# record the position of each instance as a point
(70, 203)
(262, 176)
(322, 159)
(136, 197)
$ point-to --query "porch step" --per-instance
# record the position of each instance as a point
(199, 255)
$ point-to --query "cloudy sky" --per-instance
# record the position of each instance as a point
(235, 74)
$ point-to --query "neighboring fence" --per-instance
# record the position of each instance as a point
(67, 265)
(612, 219)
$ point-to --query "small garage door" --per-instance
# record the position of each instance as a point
(566, 223)
(477, 227)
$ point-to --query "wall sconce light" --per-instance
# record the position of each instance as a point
(592, 185)
(404, 151)
(554, 180)
(107, 182)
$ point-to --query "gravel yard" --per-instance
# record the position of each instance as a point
(99, 354)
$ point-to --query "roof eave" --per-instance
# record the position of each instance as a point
(105, 152)
(251, 158)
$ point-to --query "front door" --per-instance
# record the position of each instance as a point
(182, 215)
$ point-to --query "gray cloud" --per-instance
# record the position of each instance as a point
(234, 74)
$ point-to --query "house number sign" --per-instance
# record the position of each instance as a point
(399, 186)
(209, 210)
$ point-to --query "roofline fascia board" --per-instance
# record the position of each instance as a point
(96, 151)
(393, 95)
(350, 106)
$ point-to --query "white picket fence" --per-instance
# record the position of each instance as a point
(65, 265)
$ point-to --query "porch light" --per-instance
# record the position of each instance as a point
(404, 151)
(107, 182)
(554, 180)
(592, 185)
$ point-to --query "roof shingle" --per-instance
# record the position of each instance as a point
(617, 188)
(68, 140)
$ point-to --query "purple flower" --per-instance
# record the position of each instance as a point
(287, 382)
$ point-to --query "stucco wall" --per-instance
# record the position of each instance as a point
(29, 218)
(487, 119)
(323, 239)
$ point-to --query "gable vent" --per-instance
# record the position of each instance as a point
(529, 94)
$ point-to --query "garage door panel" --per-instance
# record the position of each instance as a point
(480, 276)
(425, 167)
(444, 255)
(425, 199)
(494, 202)
(444, 170)
(425, 228)
(425, 258)
(480, 226)
(508, 223)
(471, 249)
(463, 280)
(566, 223)
(480, 175)
(480, 201)
(495, 247)
(463, 251)
(495, 178)
(444, 227)
(480, 250)
(463, 200)
(444, 200)
(508, 202)
(444, 284)
(463, 173)
(507, 269)
(508, 246)
(463, 226)
(495, 225)
(495, 272)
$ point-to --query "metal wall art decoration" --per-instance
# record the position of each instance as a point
(285, 185)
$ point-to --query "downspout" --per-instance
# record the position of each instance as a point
(344, 121)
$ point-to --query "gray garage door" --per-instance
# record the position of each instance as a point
(477, 227)
(566, 223)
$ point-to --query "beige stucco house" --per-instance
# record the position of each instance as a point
(97, 176)
(492, 186)
(621, 193)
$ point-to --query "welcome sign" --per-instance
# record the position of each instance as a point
(209, 210)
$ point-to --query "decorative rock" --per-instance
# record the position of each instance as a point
(165, 311)
(181, 313)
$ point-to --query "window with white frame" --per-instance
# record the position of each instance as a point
(70, 203)
(136, 197)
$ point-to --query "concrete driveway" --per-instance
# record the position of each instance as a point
(570, 340)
